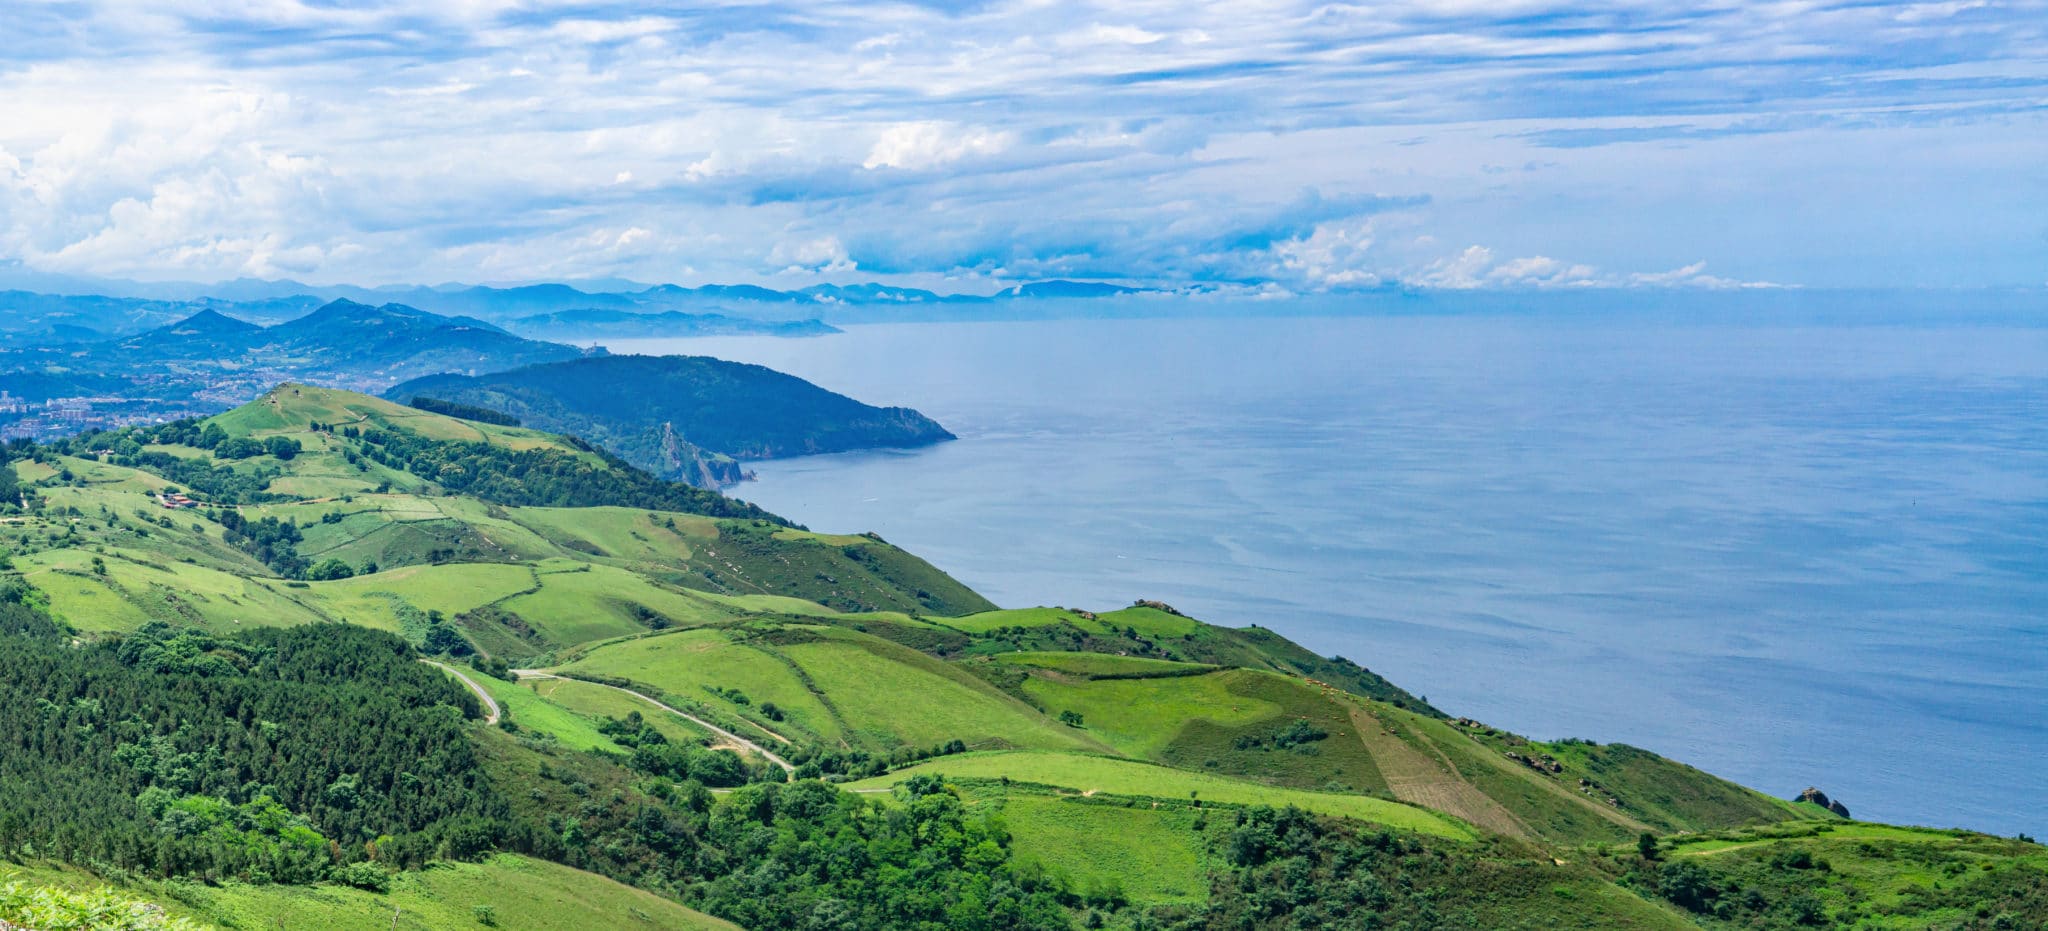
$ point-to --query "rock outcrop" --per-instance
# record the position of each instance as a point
(1820, 798)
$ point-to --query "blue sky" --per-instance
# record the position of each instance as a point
(1261, 146)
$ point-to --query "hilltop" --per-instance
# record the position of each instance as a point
(680, 405)
(212, 698)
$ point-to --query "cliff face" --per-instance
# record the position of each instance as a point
(678, 459)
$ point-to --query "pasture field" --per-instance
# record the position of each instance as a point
(1143, 717)
(1667, 794)
(891, 696)
(1237, 722)
(986, 621)
(582, 602)
(1151, 855)
(689, 664)
(595, 701)
(620, 533)
(138, 587)
(533, 711)
(450, 589)
(1099, 774)
(1100, 664)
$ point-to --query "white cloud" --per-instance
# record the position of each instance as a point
(382, 141)
(929, 144)
(1334, 255)
(1100, 34)
(1541, 272)
(598, 31)
(823, 255)
(1462, 271)
(1693, 276)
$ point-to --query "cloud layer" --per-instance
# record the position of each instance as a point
(1256, 144)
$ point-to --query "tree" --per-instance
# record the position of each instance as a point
(1070, 718)
(283, 447)
(1646, 845)
(1687, 885)
(239, 447)
(442, 638)
(329, 570)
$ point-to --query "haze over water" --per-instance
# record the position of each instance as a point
(1790, 555)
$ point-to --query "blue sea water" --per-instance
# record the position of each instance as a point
(1787, 554)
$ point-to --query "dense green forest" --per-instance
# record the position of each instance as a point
(464, 411)
(280, 755)
(545, 476)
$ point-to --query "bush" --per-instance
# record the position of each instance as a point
(362, 876)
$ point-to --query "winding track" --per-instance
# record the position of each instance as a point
(700, 722)
(490, 704)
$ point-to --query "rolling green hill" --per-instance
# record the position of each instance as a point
(700, 705)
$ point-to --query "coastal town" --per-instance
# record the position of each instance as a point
(63, 416)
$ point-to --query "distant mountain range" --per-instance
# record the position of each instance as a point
(598, 323)
(28, 317)
(209, 361)
(344, 339)
(689, 418)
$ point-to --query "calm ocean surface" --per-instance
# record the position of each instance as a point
(1788, 555)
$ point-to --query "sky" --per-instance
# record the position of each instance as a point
(1254, 146)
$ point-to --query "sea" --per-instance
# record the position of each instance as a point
(1790, 553)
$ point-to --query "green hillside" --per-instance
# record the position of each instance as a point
(513, 892)
(220, 709)
(683, 407)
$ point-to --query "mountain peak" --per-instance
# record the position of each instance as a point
(209, 322)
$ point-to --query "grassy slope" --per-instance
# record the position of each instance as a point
(595, 702)
(1090, 774)
(1152, 855)
(643, 568)
(1874, 876)
(687, 664)
(836, 685)
(522, 893)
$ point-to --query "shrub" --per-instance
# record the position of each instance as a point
(362, 876)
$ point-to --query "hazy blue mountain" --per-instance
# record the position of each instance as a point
(590, 322)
